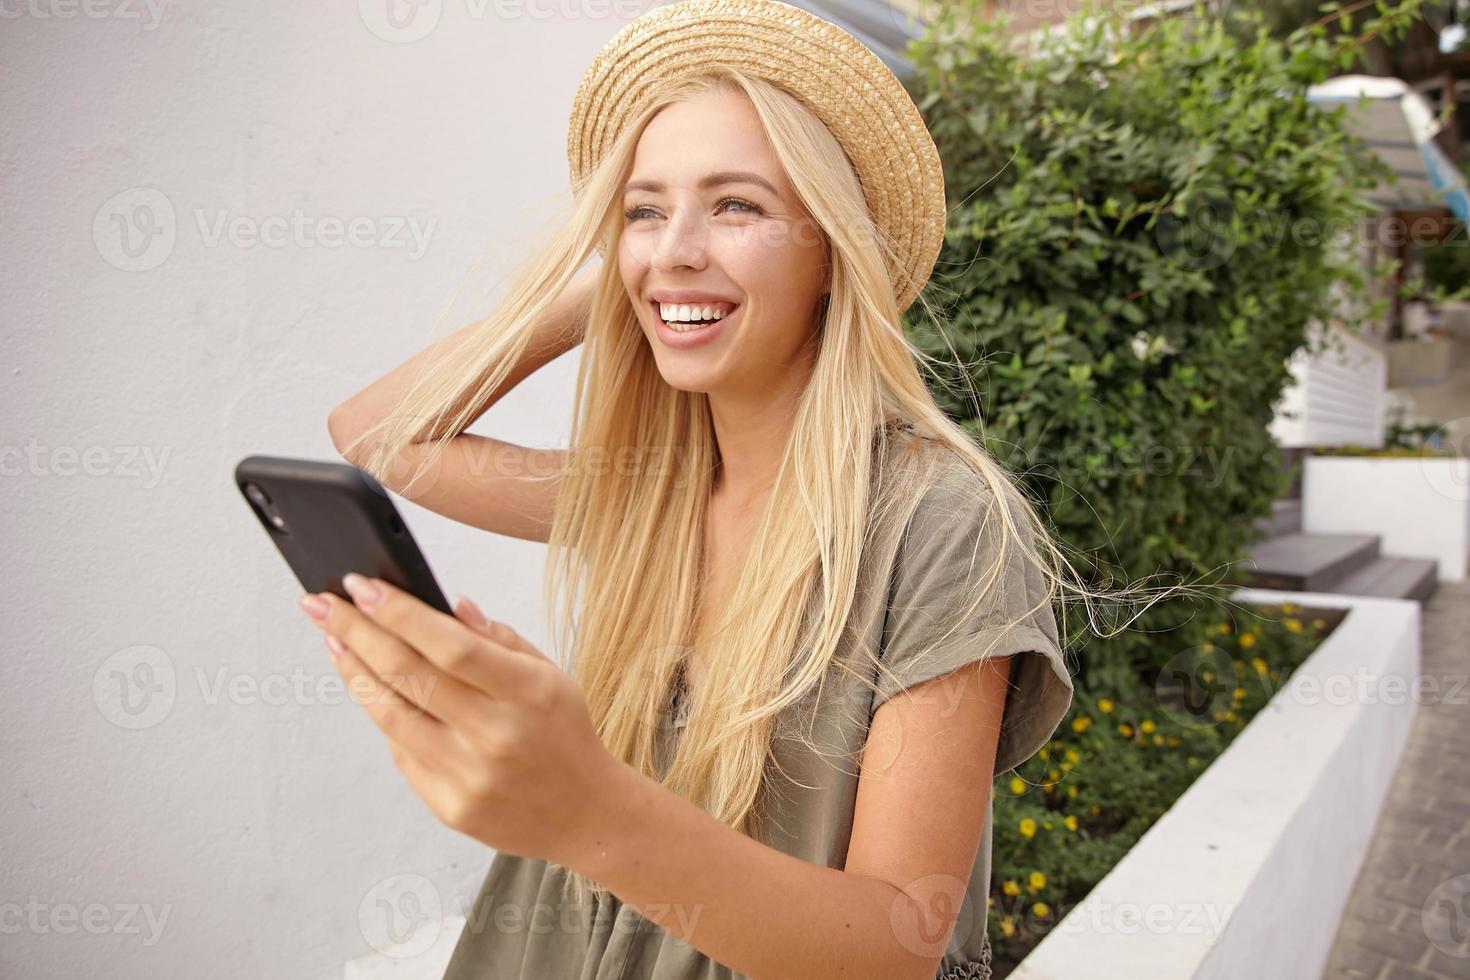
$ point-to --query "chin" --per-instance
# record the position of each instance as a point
(694, 382)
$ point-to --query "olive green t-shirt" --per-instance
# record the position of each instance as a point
(915, 565)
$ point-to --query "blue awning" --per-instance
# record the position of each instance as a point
(1399, 125)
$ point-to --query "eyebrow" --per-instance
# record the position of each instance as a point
(711, 180)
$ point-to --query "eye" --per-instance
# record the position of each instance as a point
(634, 214)
(739, 201)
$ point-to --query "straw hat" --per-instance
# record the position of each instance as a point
(844, 83)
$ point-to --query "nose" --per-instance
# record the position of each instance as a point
(681, 242)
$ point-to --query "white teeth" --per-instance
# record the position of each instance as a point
(673, 313)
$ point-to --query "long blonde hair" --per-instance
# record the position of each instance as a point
(624, 562)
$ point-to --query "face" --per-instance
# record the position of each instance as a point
(745, 239)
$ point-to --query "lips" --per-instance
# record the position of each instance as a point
(691, 338)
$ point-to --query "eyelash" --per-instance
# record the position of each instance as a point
(629, 214)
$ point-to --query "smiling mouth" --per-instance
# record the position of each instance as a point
(686, 326)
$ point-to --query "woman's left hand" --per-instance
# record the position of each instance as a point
(494, 736)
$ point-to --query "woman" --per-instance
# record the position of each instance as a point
(812, 619)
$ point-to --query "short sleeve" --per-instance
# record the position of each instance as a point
(946, 552)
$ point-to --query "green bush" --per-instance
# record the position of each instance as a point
(1068, 815)
(1141, 229)
(1447, 263)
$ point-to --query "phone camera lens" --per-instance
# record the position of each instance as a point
(255, 493)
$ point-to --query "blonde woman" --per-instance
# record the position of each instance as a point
(807, 618)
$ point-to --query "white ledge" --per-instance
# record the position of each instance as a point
(1248, 872)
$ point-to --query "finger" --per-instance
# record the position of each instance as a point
(402, 721)
(399, 666)
(464, 654)
(469, 613)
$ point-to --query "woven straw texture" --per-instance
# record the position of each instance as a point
(843, 82)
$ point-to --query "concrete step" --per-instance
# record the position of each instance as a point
(1393, 578)
(1308, 562)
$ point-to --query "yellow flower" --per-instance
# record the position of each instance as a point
(1295, 625)
(1104, 705)
(1037, 879)
(1053, 775)
(1028, 827)
(1146, 726)
(1260, 665)
(1043, 753)
(1046, 825)
(1071, 790)
(1065, 767)
(1158, 740)
(1010, 887)
(1018, 785)
(1072, 755)
(1173, 743)
(1041, 909)
(1007, 927)
(1192, 761)
(1209, 648)
(1125, 730)
(1224, 629)
(1081, 724)
(1096, 809)
(1070, 822)
(1248, 640)
(1238, 693)
(1318, 623)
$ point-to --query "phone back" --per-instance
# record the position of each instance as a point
(328, 519)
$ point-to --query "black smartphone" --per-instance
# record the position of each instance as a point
(328, 519)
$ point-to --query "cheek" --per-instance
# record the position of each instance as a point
(627, 261)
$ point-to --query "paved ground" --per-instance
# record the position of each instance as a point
(1409, 914)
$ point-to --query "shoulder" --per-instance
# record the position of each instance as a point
(947, 490)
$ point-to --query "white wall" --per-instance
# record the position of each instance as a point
(1336, 396)
(137, 375)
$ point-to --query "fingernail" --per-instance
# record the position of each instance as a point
(364, 591)
(316, 607)
(472, 612)
(335, 647)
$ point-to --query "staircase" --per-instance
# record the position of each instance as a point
(1348, 564)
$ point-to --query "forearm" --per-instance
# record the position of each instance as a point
(765, 914)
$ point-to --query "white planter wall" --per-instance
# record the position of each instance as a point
(1336, 396)
(1248, 873)
(1420, 507)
